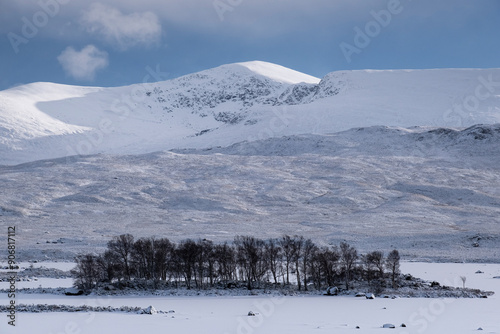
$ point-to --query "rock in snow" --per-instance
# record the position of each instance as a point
(332, 291)
(388, 326)
(73, 292)
(149, 310)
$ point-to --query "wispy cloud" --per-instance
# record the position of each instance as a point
(84, 64)
(121, 30)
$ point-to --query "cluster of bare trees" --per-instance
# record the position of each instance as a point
(202, 264)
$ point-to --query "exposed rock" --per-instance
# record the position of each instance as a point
(73, 292)
(149, 310)
(332, 291)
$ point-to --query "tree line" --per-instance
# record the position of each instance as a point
(201, 264)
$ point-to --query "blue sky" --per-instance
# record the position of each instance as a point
(120, 42)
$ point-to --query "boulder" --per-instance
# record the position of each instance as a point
(370, 296)
(251, 314)
(388, 326)
(149, 310)
(332, 291)
(73, 292)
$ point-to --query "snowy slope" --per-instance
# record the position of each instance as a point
(234, 103)
(430, 193)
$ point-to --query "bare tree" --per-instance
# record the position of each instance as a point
(367, 266)
(200, 263)
(162, 257)
(309, 249)
(377, 258)
(392, 263)
(373, 262)
(142, 256)
(186, 255)
(225, 261)
(122, 247)
(315, 269)
(109, 264)
(328, 259)
(86, 272)
(298, 245)
(208, 251)
(348, 257)
(286, 244)
(273, 255)
(250, 252)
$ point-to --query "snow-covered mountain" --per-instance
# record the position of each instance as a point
(234, 103)
(381, 159)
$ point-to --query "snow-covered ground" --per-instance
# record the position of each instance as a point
(48, 278)
(306, 314)
(61, 265)
(40, 282)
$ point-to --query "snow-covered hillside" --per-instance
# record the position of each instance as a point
(431, 193)
(234, 103)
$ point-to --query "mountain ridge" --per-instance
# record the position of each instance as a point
(230, 104)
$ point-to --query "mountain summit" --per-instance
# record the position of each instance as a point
(276, 72)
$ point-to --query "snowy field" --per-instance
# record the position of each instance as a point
(301, 314)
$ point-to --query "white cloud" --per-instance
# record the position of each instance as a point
(83, 65)
(123, 31)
